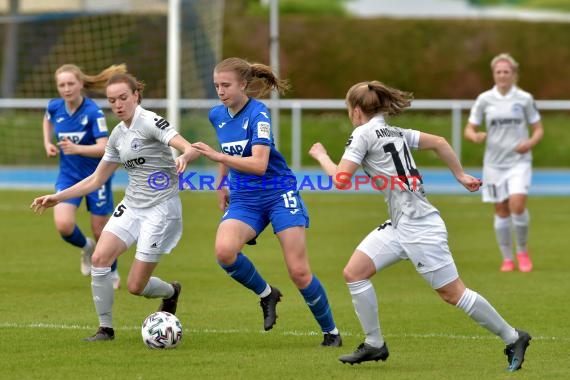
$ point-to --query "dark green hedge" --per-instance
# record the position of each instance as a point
(324, 55)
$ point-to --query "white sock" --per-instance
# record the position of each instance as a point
(521, 223)
(366, 307)
(157, 288)
(504, 236)
(480, 310)
(103, 294)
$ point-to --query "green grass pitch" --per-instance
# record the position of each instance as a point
(46, 306)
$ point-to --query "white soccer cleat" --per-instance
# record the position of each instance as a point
(116, 279)
(86, 253)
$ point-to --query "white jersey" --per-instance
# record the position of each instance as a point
(143, 150)
(383, 151)
(507, 119)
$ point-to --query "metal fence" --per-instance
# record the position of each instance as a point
(296, 106)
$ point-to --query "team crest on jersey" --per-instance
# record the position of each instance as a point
(74, 137)
(263, 130)
(136, 144)
(234, 148)
(84, 120)
(517, 109)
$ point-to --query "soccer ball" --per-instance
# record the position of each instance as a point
(161, 330)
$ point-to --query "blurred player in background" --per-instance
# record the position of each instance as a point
(150, 214)
(507, 112)
(415, 231)
(243, 127)
(80, 130)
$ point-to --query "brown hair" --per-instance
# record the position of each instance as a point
(375, 97)
(260, 78)
(132, 82)
(97, 82)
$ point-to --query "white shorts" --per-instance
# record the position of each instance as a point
(499, 184)
(423, 241)
(156, 229)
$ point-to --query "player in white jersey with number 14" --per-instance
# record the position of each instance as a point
(507, 112)
(150, 214)
(415, 231)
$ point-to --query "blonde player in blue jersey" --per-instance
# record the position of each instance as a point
(80, 130)
(507, 112)
(260, 192)
(415, 231)
(150, 214)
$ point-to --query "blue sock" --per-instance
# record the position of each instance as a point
(76, 238)
(316, 298)
(244, 272)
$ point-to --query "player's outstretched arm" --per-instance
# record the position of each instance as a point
(40, 204)
(446, 153)
(341, 173)
(188, 155)
(104, 170)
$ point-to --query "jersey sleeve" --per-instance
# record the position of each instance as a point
(159, 128)
(531, 111)
(111, 151)
(98, 123)
(477, 111)
(261, 129)
(412, 137)
(356, 147)
(50, 109)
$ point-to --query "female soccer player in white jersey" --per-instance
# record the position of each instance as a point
(80, 130)
(507, 112)
(150, 214)
(260, 192)
(415, 231)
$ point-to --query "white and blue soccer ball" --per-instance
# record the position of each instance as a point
(161, 330)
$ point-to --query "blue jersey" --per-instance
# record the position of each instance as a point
(238, 134)
(83, 127)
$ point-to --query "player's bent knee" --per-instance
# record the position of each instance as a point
(226, 257)
(301, 278)
(135, 288)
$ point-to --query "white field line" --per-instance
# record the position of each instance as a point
(284, 333)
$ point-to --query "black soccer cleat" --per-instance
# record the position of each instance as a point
(515, 351)
(103, 333)
(331, 340)
(366, 353)
(169, 304)
(269, 305)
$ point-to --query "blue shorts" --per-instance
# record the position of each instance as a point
(99, 202)
(282, 209)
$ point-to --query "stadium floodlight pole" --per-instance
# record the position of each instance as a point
(274, 62)
(173, 65)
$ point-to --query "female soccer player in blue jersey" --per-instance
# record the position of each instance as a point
(415, 230)
(149, 215)
(507, 112)
(260, 192)
(80, 130)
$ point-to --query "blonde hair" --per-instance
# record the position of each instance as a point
(97, 82)
(375, 97)
(505, 57)
(259, 78)
(133, 83)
